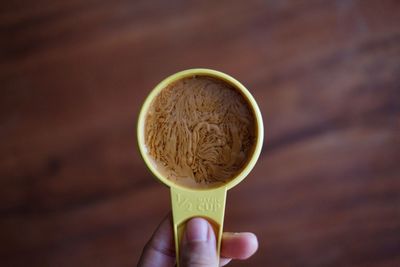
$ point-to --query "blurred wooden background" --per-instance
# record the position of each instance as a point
(326, 74)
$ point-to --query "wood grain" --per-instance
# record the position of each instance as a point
(326, 74)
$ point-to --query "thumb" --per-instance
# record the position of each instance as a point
(198, 248)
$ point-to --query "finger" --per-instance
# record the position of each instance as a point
(198, 248)
(160, 250)
(224, 261)
(238, 245)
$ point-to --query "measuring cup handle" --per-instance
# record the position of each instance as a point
(186, 204)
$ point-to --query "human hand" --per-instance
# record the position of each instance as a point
(198, 247)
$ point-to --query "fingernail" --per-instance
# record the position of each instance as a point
(197, 230)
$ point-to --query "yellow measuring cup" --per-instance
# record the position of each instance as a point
(206, 202)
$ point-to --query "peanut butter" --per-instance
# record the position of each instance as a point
(199, 131)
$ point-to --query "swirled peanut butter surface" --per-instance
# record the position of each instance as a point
(199, 131)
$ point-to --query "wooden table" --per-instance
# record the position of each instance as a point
(326, 74)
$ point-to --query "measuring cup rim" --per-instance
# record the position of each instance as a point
(214, 74)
